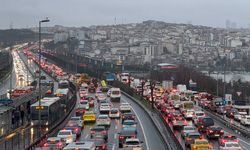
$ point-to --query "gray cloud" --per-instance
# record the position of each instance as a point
(25, 13)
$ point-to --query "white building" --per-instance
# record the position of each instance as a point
(60, 37)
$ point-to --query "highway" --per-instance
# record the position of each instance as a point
(27, 135)
(245, 143)
(10, 81)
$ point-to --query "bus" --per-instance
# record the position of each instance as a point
(124, 77)
(64, 95)
(50, 111)
(186, 105)
(175, 100)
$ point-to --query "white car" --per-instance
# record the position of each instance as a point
(186, 130)
(230, 146)
(125, 107)
(114, 113)
(245, 120)
(133, 143)
(104, 107)
(238, 115)
(101, 97)
(78, 120)
(199, 114)
(189, 114)
(103, 120)
(67, 136)
(195, 119)
(84, 104)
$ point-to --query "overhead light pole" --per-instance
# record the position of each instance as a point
(39, 80)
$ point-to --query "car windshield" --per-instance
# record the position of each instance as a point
(102, 117)
(98, 129)
(128, 122)
(114, 111)
(132, 142)
(209, 121)
(51, 141)
(84, 102)
(196, 136)
(64, 133)
(115, 92)
(201, 142)
(199, 114)
(189, 128)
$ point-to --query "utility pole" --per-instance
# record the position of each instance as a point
(39, 80)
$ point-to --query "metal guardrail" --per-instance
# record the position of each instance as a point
(236, 128)
(166, 133)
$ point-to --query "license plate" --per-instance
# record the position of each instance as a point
(217, 135)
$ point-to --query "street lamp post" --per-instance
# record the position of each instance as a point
(39, 80)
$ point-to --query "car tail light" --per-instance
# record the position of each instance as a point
(92, 132)
(223, 141)
(133, 137)
(104, 132)
(221, 131)
(121, 137)
(59, 144)
(237, 140)
(76, 130)
(103, 147)
(188, 139)
(210, 131)
(45, 145)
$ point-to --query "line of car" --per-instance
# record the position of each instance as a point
(198, 130)
(95, 107)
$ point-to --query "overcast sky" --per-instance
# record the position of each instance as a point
(27, 13)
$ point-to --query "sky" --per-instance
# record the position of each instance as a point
(27, 13)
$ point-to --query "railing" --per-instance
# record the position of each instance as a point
(168, 136)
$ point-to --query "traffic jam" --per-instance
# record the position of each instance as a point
(100, 117)
(185, 112)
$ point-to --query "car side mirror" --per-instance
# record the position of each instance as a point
(142, 142)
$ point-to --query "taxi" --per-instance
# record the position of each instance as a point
(89, 116)
(200, 144)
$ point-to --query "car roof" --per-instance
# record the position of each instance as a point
(54, 138)
(194, 133)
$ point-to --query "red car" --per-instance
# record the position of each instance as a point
(214, 132)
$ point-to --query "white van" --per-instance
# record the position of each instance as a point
(115, 94)
(82, 145)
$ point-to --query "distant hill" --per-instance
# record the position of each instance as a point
(12, 36)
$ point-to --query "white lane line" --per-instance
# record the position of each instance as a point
(113, 147)
(86, 136)
(146, 140)
(244, 142)
(116, 127)
(115, 136)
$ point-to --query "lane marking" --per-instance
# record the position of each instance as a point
(113, 147)
(86, 136)
(115, 136)
(140, 122)
(244, 141)
(116, 127)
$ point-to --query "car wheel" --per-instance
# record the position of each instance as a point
(120, 145)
